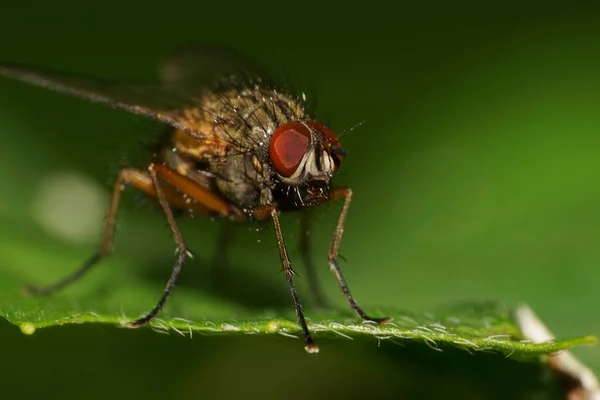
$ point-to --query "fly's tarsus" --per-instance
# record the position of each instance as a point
(32, 290)
(346, 194)
(310, 345)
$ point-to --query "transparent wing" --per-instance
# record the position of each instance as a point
(185, 74)
(202, 65)
(156, 101)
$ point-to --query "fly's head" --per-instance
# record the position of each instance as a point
(276, 153)
(304, 153)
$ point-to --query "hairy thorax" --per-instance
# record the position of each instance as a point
(231, 156)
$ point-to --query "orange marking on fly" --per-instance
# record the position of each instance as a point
(210, 145)
(189, 187)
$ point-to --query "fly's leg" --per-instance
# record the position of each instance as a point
(194, 191)
(180, 192)
(207, 200)
(126, 176)
(182, 251)
(263, 213)
(345, 193)
(305, 251)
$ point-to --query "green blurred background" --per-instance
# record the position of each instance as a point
(474, 166)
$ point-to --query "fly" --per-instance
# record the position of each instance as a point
(238, 147)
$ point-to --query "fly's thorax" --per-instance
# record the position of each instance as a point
(259, 146)
(242, 180)
(245, 120)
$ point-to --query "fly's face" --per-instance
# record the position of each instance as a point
(305, 151)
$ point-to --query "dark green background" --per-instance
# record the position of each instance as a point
(475, 175)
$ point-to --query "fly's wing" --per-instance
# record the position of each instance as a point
(159, 102)
(185, 75)
(198, 66)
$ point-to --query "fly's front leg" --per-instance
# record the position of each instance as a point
(261, 214)
(345, 193)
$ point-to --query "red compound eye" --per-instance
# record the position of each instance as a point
(289, 144)
(331, 139)
(328, 136)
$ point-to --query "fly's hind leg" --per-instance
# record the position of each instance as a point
(203, 197)
(126, 176)
(179, 192)
(206, 199)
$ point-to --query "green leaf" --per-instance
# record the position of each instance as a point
(115, 295)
